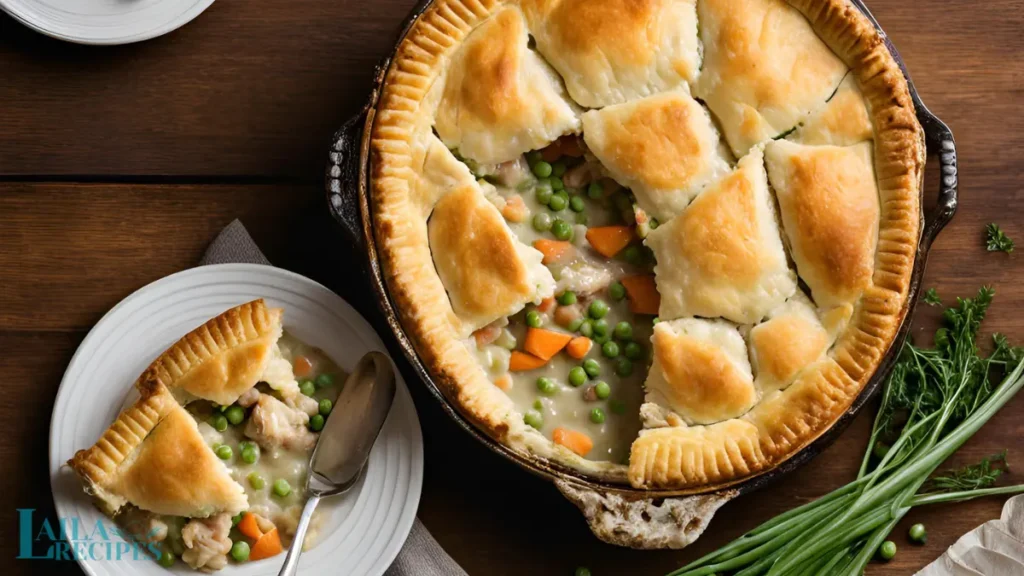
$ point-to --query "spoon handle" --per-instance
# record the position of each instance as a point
(291, 562)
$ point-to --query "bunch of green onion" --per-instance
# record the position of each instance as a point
(934, 400)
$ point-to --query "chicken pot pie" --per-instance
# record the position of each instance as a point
(210, 463)
(703, 255)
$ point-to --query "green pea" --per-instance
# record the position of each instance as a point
(534, 156)
(600, 340)
(576, 204)
(567, 298)
(595, 190)
(542, 222)
(538, 405)
(623, 331)
(582, 571)
(634, 351)
(235, 415)
(543, 193)
(240, 551)
(655, 320)
(236, 519)
(617, 291)
(250, 454)
(307, 387)
(610, 349)
(325, 406)
(653, 224)
(316, 422)
(533, 419)
(559, 168)
(581, 218)
(255, 480)
(575, 325)
(541, 169)
(166, 559)
(224, 452)
(592, 367)
(624, 367)
(602, 390)
(597, 309)
(587, 328)
(219, 422)
(600, 327)
(918, 534)
(324, 380)
(561, 229)
(546, 386)
(533, 319)
(888, 550)
(597, 416)
(577, 376)
(632, 254)
(558, 203)
(617, 407)
(558, 185)
(281, 487)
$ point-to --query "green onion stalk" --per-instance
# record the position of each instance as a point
(934, 400)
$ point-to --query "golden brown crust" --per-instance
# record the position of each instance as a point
(676, 458)
(221, 359)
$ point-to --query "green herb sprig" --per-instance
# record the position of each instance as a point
(997, 240)
(931, 297)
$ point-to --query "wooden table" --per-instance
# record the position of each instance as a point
(118, 166)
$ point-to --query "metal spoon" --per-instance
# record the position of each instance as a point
(344, 445)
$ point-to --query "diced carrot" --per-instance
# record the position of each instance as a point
(546, 305)
(249, 527)
(579, 346)
(578, 442)
(544, 344)
(268, 545)
(504, 382)
(643, 294)
(564, 315)
(302, 366)
(486, 335)
(553, 250)
(609, 240)
(515, 209)
(523, 362)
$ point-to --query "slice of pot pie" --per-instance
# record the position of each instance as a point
(764, 68)
(647, 213)
(723, 256)
(500, 99)
(664, 148)
(613, 51)
(190, 477)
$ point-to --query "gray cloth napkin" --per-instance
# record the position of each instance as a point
(421, 555)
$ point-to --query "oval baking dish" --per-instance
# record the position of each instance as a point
(616, 512)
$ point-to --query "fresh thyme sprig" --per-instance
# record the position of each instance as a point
(997, 240)
(981, 475)
(931, 297)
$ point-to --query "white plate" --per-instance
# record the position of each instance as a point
(104, 21)
(362, 531)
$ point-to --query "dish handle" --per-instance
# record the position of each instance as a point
(344, 177)
(939, 137)
(624, 519)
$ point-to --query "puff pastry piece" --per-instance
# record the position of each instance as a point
(828, 199)
(500, 99)
(663, 147)
(791, 340)
(723, 256)
(764, 68)
(842, 121)
(613, 51)
(700, 371)
(439, 173)
(225, 357)
(154, 457)
(486, 271)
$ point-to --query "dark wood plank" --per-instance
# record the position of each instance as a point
(253, 88)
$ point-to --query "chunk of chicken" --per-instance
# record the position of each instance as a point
(303, 403)
(142, 526)
(207, 543)
(249, 397)
(274, 424)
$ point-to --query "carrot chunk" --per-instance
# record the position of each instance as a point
(504, 382)
(643, 294)
(553, 250)
(486, 335)
(249, 527)
(302, 366)
(523, 362)
(578, 442)
(515, 209)
(579, 346)
(546, 305)
(609, 240)
(544, 344)
(268, 545)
